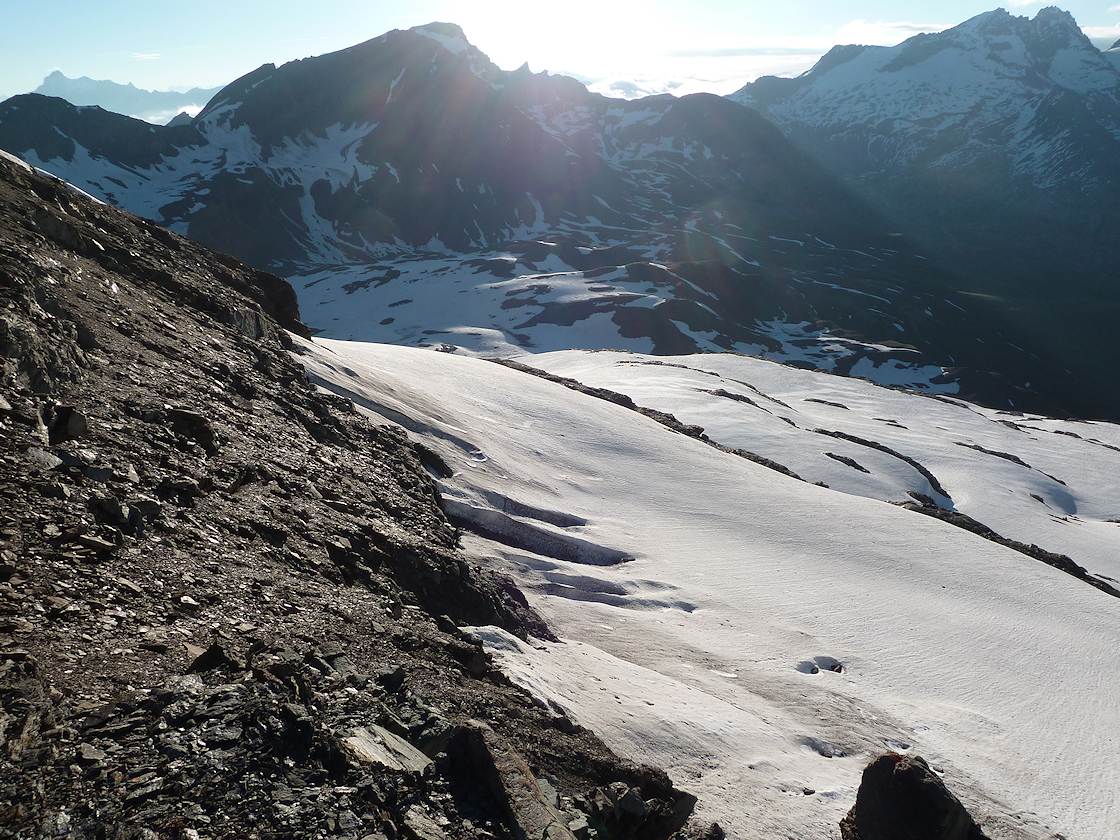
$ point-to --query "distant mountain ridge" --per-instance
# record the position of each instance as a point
(415, 193)
(151, 105)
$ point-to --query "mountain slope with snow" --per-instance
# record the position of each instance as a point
(758, 635)
(1033, 97)
(996, 146)
(414, 192)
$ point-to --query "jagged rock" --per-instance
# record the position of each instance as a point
(109, 510)
(503, 772)
(193, 425)
(579, 827)
(625, 813)
(148, 508)
(43, 460)
(89, 754)
(213, 657)
(66, 423)
(184, 490)
(901, 798)
(377, 745)
(419, 826)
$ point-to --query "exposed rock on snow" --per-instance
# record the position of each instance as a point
(901, 798)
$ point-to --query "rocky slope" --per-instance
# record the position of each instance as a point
(996, 146)
(228, 603)
(390, 178)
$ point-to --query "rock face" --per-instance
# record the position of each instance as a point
(901, 798)
(995, 144)
(229, 603)
(387, 177)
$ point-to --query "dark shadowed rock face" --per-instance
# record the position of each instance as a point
(901, 798)
(228, 603)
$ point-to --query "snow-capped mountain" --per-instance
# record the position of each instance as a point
(1026, 95)
(996, 145)
(759, 635)
(154, 106)
(414, 192)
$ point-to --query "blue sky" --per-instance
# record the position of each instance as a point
(649, 46)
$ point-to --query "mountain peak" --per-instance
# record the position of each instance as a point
(1048, 21)
(449, 35)
(1052, 15)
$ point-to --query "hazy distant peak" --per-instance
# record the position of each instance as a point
(154, 106)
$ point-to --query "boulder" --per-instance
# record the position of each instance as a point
(376, 745)
(901, 798)
(195, 426)
(66, 423)
(479, 751)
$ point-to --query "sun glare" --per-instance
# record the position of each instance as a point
(591, 36)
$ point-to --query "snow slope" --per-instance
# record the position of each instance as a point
(1035, 480)
(759, 636)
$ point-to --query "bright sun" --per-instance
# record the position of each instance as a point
(580, 34)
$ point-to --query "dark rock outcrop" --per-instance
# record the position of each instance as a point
(901, 798)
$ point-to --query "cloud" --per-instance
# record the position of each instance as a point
(883, 32)
(140, 56)
(724, 52)
(1103, 34)
(721, 73)
(162, 117)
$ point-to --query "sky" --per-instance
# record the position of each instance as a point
(616, 46)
